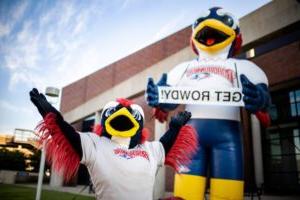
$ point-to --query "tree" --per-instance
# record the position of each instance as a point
(12, 160)
(35, 159)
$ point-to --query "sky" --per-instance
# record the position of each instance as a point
(56, 42)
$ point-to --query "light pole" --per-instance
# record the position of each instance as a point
(54, 93)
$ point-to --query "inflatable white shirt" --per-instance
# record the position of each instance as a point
(215, 73)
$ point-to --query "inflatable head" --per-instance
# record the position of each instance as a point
(216, 30)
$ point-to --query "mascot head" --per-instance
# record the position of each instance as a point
(123, 120)
(215, 31)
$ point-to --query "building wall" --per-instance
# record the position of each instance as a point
(102, 80)
(135, 85)
(268, 19)
(282, 64)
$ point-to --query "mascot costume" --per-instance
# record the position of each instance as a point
(122, 165)
(215, 39)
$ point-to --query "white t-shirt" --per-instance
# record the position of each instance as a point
(120, 173)
(215, 73)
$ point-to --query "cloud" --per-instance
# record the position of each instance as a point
(127, 3)
(19, 10)
(7, 25)
(170, 27)
(56, 46)
(27, 78)
(51, 43)
(4, 29)
(5, 105)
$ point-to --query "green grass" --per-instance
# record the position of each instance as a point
(14, 192)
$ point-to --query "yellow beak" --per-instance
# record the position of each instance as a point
(122, 124)
(219, 26)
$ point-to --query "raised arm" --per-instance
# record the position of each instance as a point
(45, 108)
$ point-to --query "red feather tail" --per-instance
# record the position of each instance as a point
(160, 115)
(59, 151)
(264, 118)
(183, 149)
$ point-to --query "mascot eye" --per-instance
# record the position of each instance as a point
(228, 20)
(136, 114)
(109, 111)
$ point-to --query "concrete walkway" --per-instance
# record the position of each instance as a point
(79, 189)
(83, 190)
(263, 197)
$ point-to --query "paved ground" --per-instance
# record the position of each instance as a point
(83, 190)
(79, 189)
(263, 197)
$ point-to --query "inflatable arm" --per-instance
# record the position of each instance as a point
(257, 99)
(180, 141)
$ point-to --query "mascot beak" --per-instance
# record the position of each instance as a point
(212, 35)
(122, 124)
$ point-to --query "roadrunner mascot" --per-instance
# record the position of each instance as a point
(215, 39)
(121, 163)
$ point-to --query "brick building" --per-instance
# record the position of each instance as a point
(271, 37)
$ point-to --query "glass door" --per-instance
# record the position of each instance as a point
(281, 144)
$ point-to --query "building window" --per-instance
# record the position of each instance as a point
(296, 133)
(88, 123)
(273, 112)
(295, 103)
(275, 145)
(285, 106)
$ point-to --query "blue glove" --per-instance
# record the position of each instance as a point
(256, 97)
(152, 93)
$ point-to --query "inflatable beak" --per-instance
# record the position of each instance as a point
(212, 35)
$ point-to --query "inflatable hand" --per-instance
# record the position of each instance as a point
(152, 90)
(256, 97)
(40, 101)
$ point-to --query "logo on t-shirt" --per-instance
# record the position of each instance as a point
(132, 153)
(198, 73)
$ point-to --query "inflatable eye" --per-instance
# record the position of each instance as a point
(109, 111)
(136, 114)
(228, 20)
(221, 12)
